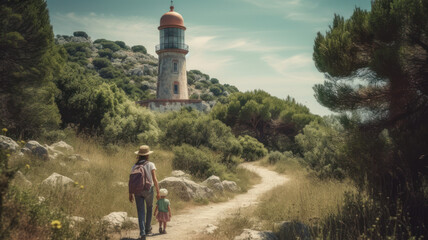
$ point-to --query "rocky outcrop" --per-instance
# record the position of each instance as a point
(8, 144)
(37, 150)
(63, 147)
(249, 234)
(230, 186)
(214, 183)
(292, 230)
(56, 180)
(185, 188)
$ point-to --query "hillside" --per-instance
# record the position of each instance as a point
(132, 68)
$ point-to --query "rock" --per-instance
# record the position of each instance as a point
(21, 180)
(249, 234)
(179, 173)
(115, 219)
(214, 183)
(63, 147)
(292, 230)
(230, 186)
(8, 144)
(210, 229)
(37, 150)
(132, 221)
(25, 151)
(57, 180)
(75, 220)
(76, 157)
(185, 188)
(120, 184)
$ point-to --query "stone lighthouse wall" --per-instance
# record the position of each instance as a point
(168, 76)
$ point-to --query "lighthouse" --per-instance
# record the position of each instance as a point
(172, 50)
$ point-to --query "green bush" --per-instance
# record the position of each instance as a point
(207, 97)
(108, 53)
(109, 72)
(139, 48)
(251, 148)
(81, 34)
(216, 90)
(110, 45)
(122, 45)
(194, 96)
(275, 157)
(101, 63)
(199, 162)
(214, 81)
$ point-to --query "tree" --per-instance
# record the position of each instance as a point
(139, 48)
(29, 60)
(81, 34)
(100, 63)
(376, 66)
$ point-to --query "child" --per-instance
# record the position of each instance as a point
(164, 214)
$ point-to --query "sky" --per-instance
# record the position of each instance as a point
(251, 44)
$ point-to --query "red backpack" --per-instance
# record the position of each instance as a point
(139, 181)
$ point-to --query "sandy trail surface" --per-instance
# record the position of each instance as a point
(193, 221)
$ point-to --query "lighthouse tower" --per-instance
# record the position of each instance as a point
(172, 76)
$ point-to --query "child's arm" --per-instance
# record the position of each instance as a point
(169, 211)
(156, 210)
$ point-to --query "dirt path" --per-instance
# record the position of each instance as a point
(192, 221)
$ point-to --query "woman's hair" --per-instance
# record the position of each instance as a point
(139, 157)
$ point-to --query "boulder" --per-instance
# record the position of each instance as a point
(8, 144)
(230, 186)
(185, 188)
(37, 150)
(63, 147)
(21, 180)
(58, 180)
(214, 183)
(115, 219)
(132, 222)
(75, 220)
(179, 173)
(292, 230)
(26, 151)
(210, 229)
(249, 234)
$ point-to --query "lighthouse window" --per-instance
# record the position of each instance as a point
(175, 64)
(175, 88)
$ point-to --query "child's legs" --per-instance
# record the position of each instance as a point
(164, 225)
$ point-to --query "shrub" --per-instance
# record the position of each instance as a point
(214, 81)
(275, 157)
(122, 45)
(207, 97)
(139, 48)
(101, 63)
(194, 96)
(251, 148)
(199, 162)
(109, 72)
(216, 90)
(110, 45)
(80, 34)
(108, 53)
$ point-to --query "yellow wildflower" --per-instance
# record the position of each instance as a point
(82, 187)
(27, 166)
(8, 155)
(76, 183)
(4, 130)
(55, 224)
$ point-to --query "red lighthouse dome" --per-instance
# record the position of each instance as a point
(172, 19)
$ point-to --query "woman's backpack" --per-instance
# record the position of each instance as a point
(139, 180)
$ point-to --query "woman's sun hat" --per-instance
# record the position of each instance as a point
(163, 192)
(144, 150)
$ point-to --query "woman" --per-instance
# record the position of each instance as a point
(145, 196)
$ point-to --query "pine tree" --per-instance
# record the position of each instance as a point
(29, 60)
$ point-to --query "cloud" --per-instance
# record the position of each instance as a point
(288, 66)
(131, 30)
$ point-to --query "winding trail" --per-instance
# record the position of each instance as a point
(192, 221)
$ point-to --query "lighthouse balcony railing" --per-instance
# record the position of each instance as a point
(173, 46)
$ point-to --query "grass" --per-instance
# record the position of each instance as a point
(303, 198)
(96, 192)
